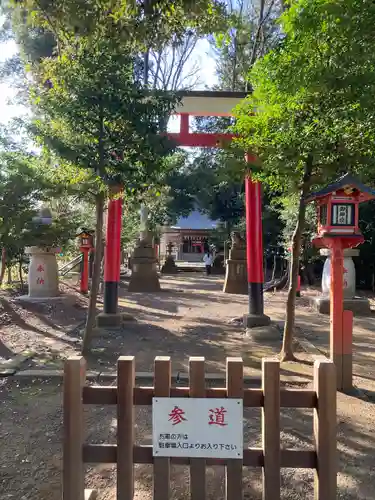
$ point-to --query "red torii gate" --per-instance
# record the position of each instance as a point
(198, 103)
(213, 103)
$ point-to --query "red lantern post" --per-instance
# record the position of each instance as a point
(86, 245)
(338, 213)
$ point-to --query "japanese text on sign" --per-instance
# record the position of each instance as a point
(197, 427)
(40, 279)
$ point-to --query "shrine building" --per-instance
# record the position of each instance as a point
(189, 236)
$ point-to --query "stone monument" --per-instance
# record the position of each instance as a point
(169, 266)
(236, 271)
(144, 219)
(43, 277)
(359, 305)
(144, 277)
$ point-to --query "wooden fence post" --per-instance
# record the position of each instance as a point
(233, 483)
(73, 468)
(325, 430)
(271, 428)
(197, 465)
(162, 384)
(125, 427)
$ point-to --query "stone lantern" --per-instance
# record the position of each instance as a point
(43, 278)
(236, 276)
(169, 266)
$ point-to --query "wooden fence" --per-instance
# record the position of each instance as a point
(270, 397)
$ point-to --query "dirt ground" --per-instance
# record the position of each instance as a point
(190, 317)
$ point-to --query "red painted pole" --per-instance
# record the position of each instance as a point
(347, 350)
(337, 308)
(184, 124)
(249, 199)
(254, 253)
(84, 285)
(298, 291)
(112, 255)
(119, 203)
(109, 252)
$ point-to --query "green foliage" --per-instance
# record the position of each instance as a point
(311, 115)
(313, 95)
(138, 24)
(57, 234)
(94, 115)
(23, 189)
(287, 207)
(365, 268)
(202, 184)
(131, 225)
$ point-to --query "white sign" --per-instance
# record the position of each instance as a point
(197, 427)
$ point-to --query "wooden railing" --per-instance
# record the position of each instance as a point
(270, 457)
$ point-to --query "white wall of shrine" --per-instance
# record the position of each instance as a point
(187, 247)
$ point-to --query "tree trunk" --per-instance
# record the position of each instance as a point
(95, 282)
(286, 353)
(274, 268)
(10, 275)
(3, 264)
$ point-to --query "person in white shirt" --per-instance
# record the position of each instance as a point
(207, 259)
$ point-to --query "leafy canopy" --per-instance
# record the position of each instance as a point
(313, 95)
(23, 189)
(148, 23)
(94, 114)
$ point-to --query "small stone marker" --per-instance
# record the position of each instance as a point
(197, 427)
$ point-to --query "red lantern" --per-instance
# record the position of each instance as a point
(338, 229)
(86, 246)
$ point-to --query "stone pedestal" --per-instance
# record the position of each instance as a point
(359, 305)
(169, 266)
(144, 276)
(265, 331)
(43, 276)
(251, 321)
(105, 320)
(236, 271)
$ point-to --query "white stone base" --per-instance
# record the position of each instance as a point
(43, 276)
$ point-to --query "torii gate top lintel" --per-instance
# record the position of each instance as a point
(208, 102)
(204, 103)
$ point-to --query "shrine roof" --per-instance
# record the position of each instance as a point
(195, 220)
(343, 182)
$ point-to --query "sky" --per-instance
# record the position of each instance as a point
(202, 55)
(7, 110)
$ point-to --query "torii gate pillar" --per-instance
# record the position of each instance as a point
(254, 254)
